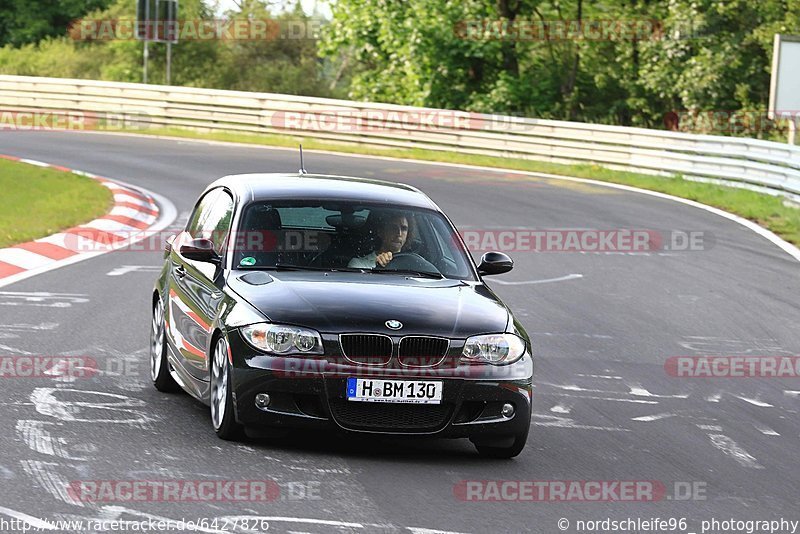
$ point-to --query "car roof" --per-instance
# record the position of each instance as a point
(271, 186)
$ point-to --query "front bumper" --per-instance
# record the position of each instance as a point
(310, 393)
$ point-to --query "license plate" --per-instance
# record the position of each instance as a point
(401, 391)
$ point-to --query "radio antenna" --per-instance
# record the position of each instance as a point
(302, 165)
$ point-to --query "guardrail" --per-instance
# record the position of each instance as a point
(749, 161)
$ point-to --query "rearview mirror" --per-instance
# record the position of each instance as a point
(200, 250)
(495, 263)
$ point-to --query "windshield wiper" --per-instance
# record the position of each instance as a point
(421, 274)
(290, 267)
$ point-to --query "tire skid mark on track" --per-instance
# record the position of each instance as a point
(46, 475)
(46, 401)
(40, 440)
(764, 416)
(42, 299)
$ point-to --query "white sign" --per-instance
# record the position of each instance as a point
(784, 89)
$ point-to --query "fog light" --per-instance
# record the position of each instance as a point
(262, 401)
(507, 411)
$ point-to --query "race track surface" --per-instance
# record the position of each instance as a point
(605, 407)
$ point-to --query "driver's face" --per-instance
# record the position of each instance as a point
(393, 234)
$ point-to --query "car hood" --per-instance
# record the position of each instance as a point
(333, 302)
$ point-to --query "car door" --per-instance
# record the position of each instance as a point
(195, 286)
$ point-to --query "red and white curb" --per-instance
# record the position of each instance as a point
(136, 214)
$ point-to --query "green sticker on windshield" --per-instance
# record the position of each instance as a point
(247, 261)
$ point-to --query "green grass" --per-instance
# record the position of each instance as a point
(39, 201)
(768, 211)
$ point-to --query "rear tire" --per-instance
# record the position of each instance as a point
(223, 418)
(159, 366)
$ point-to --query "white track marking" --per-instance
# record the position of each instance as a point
(415, 530)
(571, 334)
(755, 402)
(34, 522)
(122, 197)
(23, 258)
(125, 269)
(7, 348)
(46, 403)
(612, 399)
(34, 162)
(41, 299)
(656, 417)
(531, 282)
(578, 389)
(639, 391)
(606, 377)
(34, 434)
(714, 398)
(561, 408)
(714, 428)
(114, 513)
(732, 449)
(790, 393)
(767, 431)
(566, 422)
(131, 213)
(44, 473)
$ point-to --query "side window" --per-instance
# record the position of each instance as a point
(217, 224)
(201, 213)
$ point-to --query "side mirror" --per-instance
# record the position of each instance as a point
(200, 250)
(168, 245)
(495, 263)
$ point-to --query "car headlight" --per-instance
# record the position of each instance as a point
(497, 349)
(282, 339)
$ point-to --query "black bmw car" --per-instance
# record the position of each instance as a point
(311, 301)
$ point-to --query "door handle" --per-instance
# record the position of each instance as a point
(180, 270)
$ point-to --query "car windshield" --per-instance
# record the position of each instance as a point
(345, 236)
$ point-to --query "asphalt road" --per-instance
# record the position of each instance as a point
(605, 408)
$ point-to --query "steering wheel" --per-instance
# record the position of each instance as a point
(410, 261)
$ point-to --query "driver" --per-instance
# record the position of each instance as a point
(392, 233)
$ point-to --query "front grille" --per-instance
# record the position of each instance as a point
(390, 417)
(422, 351)
(367, 349)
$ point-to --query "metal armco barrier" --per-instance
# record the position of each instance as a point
(750, 161)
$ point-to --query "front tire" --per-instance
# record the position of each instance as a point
(505, 451)
(159, 366)
(222, 410)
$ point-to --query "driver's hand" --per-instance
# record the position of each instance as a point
(383, 258)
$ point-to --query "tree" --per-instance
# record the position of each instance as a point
(30, 21)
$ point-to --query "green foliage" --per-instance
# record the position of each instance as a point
(702, 55)
(711, 55)
(275, 65)
(30, 21)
